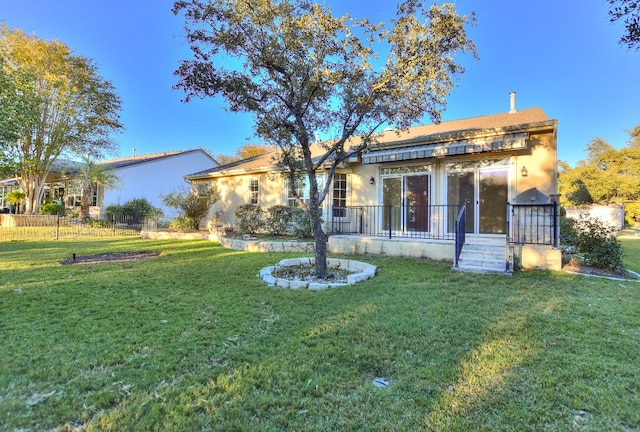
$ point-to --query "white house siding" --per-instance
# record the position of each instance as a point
(154, 179)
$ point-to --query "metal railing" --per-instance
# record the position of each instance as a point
(54, 227)
(461, 229)
(534, 224)
(406, 221)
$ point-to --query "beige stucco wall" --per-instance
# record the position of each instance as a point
(540, 160)
(538, 257)
(435, 250)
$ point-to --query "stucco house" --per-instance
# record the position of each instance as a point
(149, 176)
(479, 191)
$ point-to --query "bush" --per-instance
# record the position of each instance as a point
(52, 208)
(115, 211)
(278, 219)
(139, 209)
(301, 225)
(249, 218)
(597, 242)
(193, 205)
(133, 211)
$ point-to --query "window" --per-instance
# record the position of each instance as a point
(201, 188)
(302, 189)
(339, 195)
(254, 192)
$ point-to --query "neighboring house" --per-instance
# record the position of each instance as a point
(402, 196)
(152, 176)
(145, 176)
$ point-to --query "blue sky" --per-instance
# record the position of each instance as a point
(562, 56)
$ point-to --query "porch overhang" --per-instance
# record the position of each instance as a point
(453, 148)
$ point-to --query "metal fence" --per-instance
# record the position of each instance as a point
(54, 227)
(406, 221)
(535, 224)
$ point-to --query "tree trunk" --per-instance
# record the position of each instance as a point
(33, 187)
(320, 239)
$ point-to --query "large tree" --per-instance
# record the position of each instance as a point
(60, 107)
(629, 12)
(301, 71)
(606, 174)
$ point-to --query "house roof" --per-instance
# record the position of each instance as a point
(135, 160)
(501, 131)
(487, 125)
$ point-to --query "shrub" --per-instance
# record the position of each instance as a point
(301, 225)
(193, 205)
(52, 208)
(181, 223)
(278, 219)
(598, 244)
(249, 218)
(115, 211)
(139, 209)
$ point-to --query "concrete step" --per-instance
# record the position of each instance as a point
(483, 258)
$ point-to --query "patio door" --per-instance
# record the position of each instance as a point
(406, 203)
(485, 194)
(492, 202)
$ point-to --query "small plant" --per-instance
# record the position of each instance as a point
(278, 219)
(300, 224)
(249, 218)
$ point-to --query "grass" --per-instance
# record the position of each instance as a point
(195, 341)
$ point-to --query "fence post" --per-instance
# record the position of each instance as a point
(390, 220)
(58, 226)
(113, 225)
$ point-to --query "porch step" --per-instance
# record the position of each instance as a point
(483, 258)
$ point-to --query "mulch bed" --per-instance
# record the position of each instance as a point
(111, 258)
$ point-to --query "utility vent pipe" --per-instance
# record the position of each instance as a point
(512, 97)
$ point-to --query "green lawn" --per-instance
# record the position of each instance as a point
(195, 341)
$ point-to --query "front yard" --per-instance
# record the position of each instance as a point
(194, 340)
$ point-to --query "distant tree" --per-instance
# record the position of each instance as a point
(302, 71)
(606, 175)
(244, 152)
(90, 177)
(57, 105)
(629, 12)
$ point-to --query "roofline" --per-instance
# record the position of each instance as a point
(446, 137)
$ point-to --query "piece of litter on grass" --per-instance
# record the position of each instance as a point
(164, 321)
(381, 382)
(17, 290)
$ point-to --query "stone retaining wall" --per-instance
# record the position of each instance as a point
(267, 246)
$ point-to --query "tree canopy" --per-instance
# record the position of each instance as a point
(629, 12)
(245, 151)
(606, 174)
(54, 104)
(301, 71)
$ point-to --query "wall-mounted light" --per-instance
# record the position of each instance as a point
(524, 171)
(372, 181)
